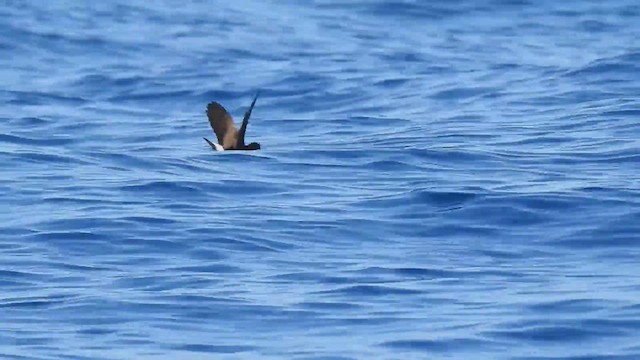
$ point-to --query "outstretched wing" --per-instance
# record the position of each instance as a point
(245, 122)
(222, 124)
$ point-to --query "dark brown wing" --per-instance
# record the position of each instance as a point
(245, 121)
(222, 124)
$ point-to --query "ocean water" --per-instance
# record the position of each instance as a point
(437, 180)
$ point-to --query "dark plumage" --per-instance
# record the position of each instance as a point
(229, 137)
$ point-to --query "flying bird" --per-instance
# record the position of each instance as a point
(229, 138)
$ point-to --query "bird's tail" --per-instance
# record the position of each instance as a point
(214, 146)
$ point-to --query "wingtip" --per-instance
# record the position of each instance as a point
(214, 104)
(253, 103)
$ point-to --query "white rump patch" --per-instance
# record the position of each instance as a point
(218, 147)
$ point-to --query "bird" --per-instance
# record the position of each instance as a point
(229, 138)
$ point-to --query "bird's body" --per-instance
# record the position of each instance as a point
(214, 146)
(229, 137)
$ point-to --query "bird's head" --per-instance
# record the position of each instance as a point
(253, 146)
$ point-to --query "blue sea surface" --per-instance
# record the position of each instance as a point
(440, 179)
